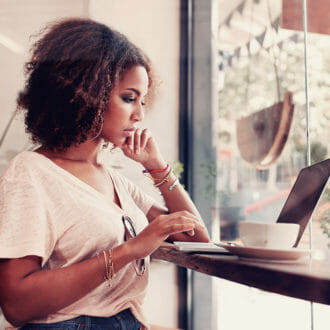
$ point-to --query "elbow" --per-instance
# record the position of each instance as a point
(205, 239)
(203, 235)
(14, 314)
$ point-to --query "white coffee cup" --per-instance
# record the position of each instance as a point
(268, 235)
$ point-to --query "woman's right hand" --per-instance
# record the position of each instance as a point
(151, 237)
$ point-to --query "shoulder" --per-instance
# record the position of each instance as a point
(23, 165)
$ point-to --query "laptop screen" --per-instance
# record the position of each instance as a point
(304, 195)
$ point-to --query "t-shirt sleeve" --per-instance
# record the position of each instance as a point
(141, 199)
(26, 226)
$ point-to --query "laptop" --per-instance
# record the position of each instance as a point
(298, 207)
(305, 195)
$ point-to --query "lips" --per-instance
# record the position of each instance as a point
(132, 129)
(129, 131)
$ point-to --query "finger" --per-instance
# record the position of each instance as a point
(129, 143)
(189, 222)
(180, 227)
(189, 218)
(178, 218)
(185, 214)
(137, 137)
(191, 232)
(144, 138)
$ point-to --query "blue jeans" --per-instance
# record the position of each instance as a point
(121, 321)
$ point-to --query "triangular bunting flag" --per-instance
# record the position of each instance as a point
(261, 37)
(237, 52)
(228, 19)
(280, 45)
(240, 8)
(248, 45)
(294, 38)
(276, 23)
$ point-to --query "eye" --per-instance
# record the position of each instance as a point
(128, 99)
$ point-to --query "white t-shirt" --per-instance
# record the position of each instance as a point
(48, 212)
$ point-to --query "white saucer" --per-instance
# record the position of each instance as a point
(265, 253)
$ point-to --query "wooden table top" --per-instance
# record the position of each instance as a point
(308, 279)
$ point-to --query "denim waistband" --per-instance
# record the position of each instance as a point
(121, 321)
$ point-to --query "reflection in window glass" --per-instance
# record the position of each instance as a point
(319, 87)
(255, 75)
(254, 78)
(259, 62)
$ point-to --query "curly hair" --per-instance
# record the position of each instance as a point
(69, 79)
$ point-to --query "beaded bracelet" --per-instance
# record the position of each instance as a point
(157, 170)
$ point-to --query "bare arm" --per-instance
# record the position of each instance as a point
(176, 200)
(47, 291)
(142, 148)
(27, 292)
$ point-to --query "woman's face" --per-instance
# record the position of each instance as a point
(125, 108)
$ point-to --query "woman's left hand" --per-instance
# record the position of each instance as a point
(142, 147)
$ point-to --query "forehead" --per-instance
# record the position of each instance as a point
(135, 77)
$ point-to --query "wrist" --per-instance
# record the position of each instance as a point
(156, 164)
(131, 249)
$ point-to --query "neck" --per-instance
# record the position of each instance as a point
(87, 152)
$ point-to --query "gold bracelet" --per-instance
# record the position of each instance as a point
(165, 179)
(149, 176)
(99, 263)
(111, 268)
(106, 278)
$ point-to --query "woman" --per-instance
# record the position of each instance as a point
(67, 222)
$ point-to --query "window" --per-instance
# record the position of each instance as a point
(261, 49)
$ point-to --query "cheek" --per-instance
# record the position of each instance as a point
(117, 114)
(112, 123)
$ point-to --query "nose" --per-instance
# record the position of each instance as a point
(138, 114)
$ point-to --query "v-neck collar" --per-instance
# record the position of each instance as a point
(86, 185)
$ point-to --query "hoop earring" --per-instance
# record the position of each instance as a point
(109, 145)
(99, 132)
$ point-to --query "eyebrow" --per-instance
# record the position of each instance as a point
(134, 90)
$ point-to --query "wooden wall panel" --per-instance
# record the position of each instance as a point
(318, 15)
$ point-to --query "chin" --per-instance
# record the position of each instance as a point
(117, 143)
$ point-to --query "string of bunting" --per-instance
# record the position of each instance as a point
(262, 41)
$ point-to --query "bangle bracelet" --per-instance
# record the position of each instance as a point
(165, 179)
(106, 266)
(109, 267)
(157, 170)
(173, 185)
(112, 267)
(100, 267)
(149, 176)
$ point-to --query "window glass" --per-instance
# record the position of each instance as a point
(261, 49)
(259, 70)
(256, 71)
